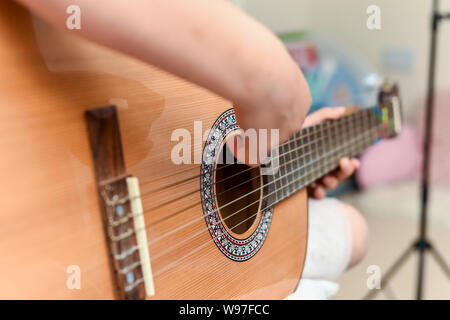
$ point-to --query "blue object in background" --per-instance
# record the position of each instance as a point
(341, 90)
(335, 74)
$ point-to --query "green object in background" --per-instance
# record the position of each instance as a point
(293, 36)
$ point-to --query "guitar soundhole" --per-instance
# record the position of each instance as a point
(237, 192)
(231, 196)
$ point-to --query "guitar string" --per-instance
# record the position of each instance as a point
(318, 128)
(173, 263)
(128, 216)
(341, 134)
(363, 139)
(193, 251)
(196, 168)
(290, 152)
(225, 191)
(198, 190)
(193, 177)
(131, 232)
(245, 195)
(198, 248)
(230, 202)
(327, 163)
(360, 141)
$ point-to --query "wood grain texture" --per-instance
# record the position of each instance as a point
(50, 215)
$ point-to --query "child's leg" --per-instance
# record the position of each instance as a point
(337, 240)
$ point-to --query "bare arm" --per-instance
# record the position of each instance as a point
(211, 43)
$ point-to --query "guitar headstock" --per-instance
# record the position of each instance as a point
(389, 110)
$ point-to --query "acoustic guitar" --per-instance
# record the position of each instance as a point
(93, 207)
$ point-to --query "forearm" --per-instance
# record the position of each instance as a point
(210, 43)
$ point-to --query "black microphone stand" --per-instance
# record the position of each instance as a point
(422, 244)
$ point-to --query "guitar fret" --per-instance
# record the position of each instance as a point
(316, 150)
(289, 166)
(295, 165)
(353, 132)
(300, 161)
(287, 171)
(309, 157)
(320, 145)
(279, 174)
(285, 179)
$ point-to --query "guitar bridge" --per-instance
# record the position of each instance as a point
(121, 207)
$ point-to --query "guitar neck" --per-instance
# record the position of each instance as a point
(317, 150)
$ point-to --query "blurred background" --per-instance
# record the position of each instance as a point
(344, 63)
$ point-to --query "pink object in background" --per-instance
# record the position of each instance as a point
(440, 146)
(391, 160)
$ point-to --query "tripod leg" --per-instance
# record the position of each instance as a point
(422, 246)
(440, 260)
(391, 271)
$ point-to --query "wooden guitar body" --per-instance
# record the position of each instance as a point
(51, 226)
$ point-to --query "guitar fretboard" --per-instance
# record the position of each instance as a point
(317, 150)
